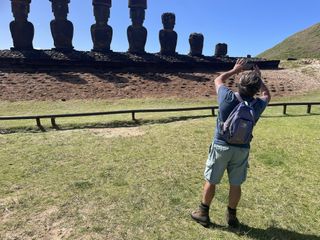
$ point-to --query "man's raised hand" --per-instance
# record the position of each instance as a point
(240, 63)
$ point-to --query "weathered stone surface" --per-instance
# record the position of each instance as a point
(167, 36)
(61, 27)
(137, 34)
(107, 3)
(101, 32)
(115, 61)
(22, 31)
(196, 44)
(138, 4)
(221, 50)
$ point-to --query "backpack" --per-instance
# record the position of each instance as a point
(238, 127)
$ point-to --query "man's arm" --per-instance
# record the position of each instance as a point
(265, 93)
(238, 67)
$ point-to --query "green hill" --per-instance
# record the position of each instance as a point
(304, 44)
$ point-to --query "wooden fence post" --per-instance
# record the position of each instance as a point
(53, 123)
(39, 125)
(133, 116)
(213, 112)
(309, 108)
(284, 109)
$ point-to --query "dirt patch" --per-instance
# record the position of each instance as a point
(43, 225)
(52, 228)
(56, 231)
(118, 132)
(6, 208)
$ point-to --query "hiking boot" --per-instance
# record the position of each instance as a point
(201, 215)
(231, 217)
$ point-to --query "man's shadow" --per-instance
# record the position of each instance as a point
(273, 233)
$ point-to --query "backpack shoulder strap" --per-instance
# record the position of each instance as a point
(241, 100)
(250, 104)
(253, 102)
(238, 97)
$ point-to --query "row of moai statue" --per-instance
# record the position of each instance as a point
(22, 30)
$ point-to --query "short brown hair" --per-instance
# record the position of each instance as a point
(249, 84)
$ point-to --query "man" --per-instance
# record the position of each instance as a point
(233, 157)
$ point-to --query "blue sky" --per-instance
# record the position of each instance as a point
(247, 26)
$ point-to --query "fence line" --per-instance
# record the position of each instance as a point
(133, 112)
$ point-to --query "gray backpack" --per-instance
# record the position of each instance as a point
(238, 127)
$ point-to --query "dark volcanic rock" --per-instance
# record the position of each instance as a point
(101, 32)
(121, 62)
(22, 31)
(136, 32)
(167, 36)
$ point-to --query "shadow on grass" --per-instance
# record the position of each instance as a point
(265, 234)
(275, 233)
(291, 115)
(114, 124)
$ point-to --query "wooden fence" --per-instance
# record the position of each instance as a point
(134, 112)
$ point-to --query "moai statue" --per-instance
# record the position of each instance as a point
(167, 36)
(196, 44)
(22, 31)
(221, 50)
(61, 27)
(137, 34)
(101, 32)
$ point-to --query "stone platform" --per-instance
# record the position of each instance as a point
(119, 62)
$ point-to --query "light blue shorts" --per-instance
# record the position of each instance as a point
(220, 158)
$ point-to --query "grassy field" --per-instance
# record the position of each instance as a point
(141, 180)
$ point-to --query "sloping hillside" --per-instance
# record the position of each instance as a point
(304, 44)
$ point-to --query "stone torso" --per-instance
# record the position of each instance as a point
(168, 41)
(22, 35)
(62, 31)
(137, 37)
(101, 36)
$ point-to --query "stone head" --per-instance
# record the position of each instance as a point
(20, 9)
(196, 43)
(168, 20)
(60, 9)
(221, 49)
(137, 16)
(101, 10)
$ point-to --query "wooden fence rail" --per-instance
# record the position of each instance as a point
(133, 112)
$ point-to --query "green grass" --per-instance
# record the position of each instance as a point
(90, 183)
(58, 107)
(76, 106)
